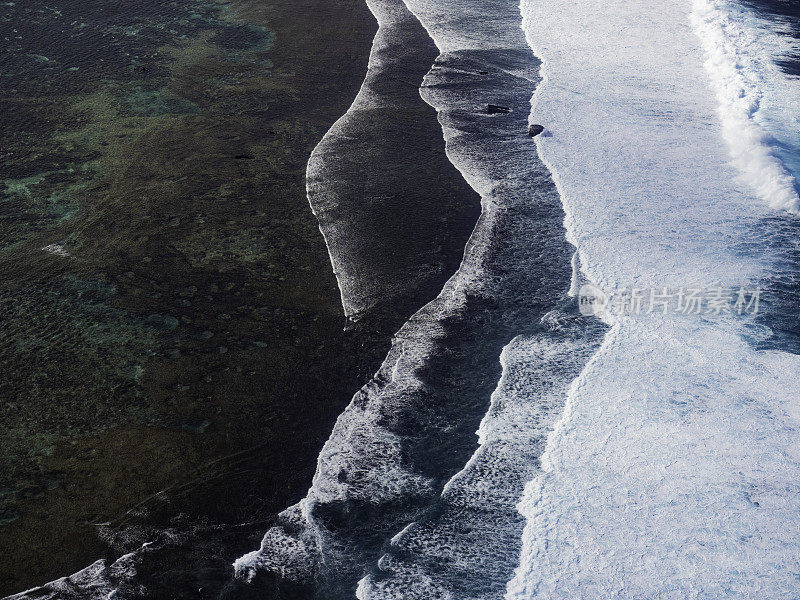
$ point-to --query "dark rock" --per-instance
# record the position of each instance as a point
(496, 109)
(163, 322)
(535, 130)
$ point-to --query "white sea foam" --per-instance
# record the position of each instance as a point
(515, 263)
(741, 69)
(474, 539)
(779, 109)
(635, 146)
(673, 470)
(674, 473)
(98, 581)
(56, 249)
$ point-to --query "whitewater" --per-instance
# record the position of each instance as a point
(392, 498)
(673, 471)
(510, 447)
(666, 465)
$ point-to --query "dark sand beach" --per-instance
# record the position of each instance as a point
(173, 348)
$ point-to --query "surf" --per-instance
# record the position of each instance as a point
(742, 74)
(404, 456)
(671, 471)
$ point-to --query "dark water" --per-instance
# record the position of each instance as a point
(389, 202)
(779, 236)
(786, 12)
(182, 355)
(172, 369)
(776, 326)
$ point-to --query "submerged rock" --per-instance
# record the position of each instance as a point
(494, 109)
(163, 322)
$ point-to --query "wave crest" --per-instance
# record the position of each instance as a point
(735, 63)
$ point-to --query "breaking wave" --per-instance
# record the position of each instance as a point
(741, 68)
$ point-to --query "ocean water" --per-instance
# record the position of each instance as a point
(391, 496)
(661, 464)
(509, 446)
(776, 26)
(672, 471)
(388, 201)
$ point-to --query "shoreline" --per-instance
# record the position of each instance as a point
(385, 480)
(205, 484)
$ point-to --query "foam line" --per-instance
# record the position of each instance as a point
(672, 472)
(411, 429)
(738, 66)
